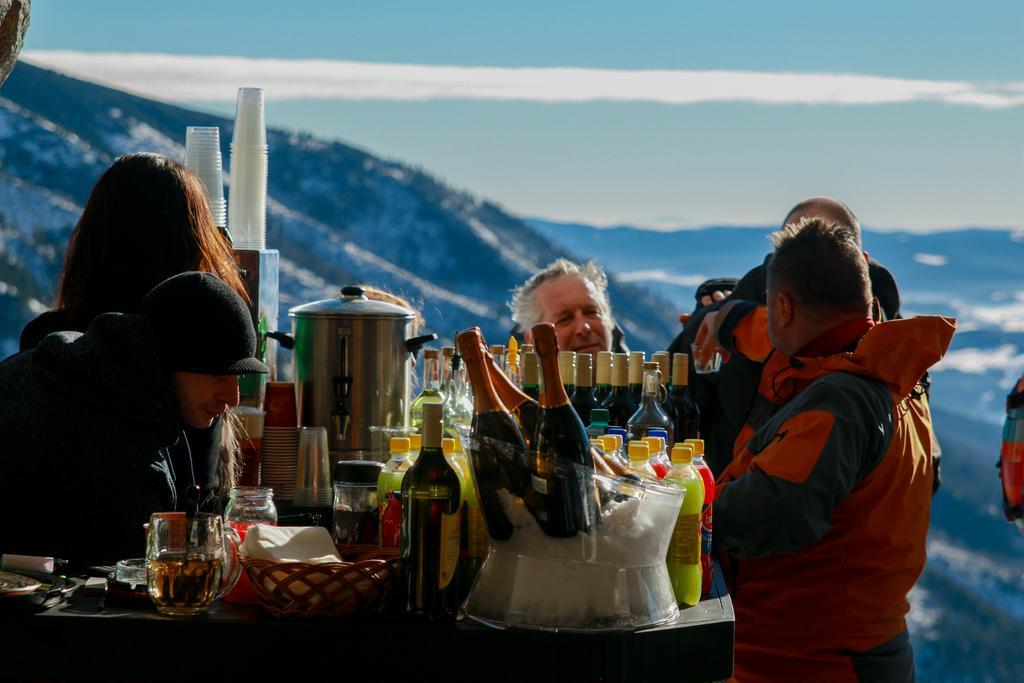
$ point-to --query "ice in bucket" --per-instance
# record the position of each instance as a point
(612, 578)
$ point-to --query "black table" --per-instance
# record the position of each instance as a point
(90, 640)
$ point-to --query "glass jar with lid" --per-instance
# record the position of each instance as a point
(249, 505)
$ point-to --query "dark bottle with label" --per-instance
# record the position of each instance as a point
(687, 415)
(431, 527)
(619, 402)
(497, 450)
(562, 464)
(584, 399)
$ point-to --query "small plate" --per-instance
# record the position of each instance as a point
(16, 584)
(50, 591)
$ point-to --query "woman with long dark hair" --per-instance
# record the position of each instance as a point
(147, 218)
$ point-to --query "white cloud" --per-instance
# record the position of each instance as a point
(216, 79)
(975, 361)
(931, 259)
(659, 275)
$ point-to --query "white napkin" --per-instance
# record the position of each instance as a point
(289, 544)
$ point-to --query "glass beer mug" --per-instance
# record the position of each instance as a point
(190, 562)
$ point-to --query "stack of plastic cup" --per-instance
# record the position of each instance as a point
(202, 156)
(247, 210)
(313, 487)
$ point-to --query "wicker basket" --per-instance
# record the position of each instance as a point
(331, 589)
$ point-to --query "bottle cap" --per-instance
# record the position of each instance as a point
(639, 451)
(599, 415)
(584, 371)
(567, 366)
(433, 414)
(603, 371)
(607, 443)
(664, 361)
(680, 369)
(430, 353)
(399, 444)
(618, 441)
(636, 367)
(357, 471)
(657, 431)
(655, 443)
(620, 369)
(498, 349)
(617, 430)
(682, 454)
(447, 351)
(698, 446)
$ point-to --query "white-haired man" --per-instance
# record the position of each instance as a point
(573, 297)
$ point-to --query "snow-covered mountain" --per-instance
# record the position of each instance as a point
(338, 214)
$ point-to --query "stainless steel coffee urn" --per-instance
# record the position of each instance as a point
(353, 363)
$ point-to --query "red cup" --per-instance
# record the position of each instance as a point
(280, 405)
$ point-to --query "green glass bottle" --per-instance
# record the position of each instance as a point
(430, 535)
(431, 392)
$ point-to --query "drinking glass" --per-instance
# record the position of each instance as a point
(190, 561)
(712, 364)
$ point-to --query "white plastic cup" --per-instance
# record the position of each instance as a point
(202, 156)
(313, 470)
(250, 127)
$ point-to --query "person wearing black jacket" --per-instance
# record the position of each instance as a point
(91, 424)
(725, 397)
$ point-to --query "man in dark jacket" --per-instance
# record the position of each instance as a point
(91, 425)
(724, 398)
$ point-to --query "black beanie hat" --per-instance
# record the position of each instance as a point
(202, 326)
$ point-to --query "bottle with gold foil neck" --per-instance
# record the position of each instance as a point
(686, 418)
(562, 463)
(636, 374)
(498, 452)
(603, 375)
(584, 399)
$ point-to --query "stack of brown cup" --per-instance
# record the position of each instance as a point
(280, 440)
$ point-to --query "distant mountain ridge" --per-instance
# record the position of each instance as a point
(338, 215)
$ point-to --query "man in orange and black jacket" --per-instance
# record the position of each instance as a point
(821, 517)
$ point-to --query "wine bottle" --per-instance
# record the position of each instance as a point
(603, 375)
(430, 531)
(531, 375)
(619, 401)
(498, 354)
(522, 407)
(687, 415)
(497, 450)
(649, 414)
(431, 392)
(584, 399)
(636, 374)
(562, 464)
(458, 402)
(446, 368)
(567, 369)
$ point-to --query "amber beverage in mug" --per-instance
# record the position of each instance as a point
(190, 561)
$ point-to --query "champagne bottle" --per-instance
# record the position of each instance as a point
(430, 532)
(649, 414)
(498, 452)
(562, 464)
(584, 399)
(687, 415)
(619, 401)
(603, 375)
(522, 407)
(431, 392)
(531, 375)
(636, 374)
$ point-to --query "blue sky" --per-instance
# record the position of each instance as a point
(920, 163)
